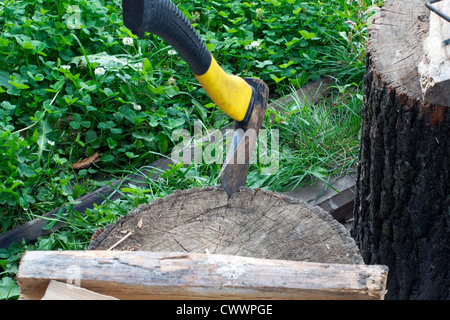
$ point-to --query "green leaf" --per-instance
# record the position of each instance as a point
(223, 14)
(147, 68)
(35, 45)
(292, 42)
(318, 172)
(4, 80)
(107, 91)
(86, 124)
(108, 158)
(344, 35)
(263, 64)
(10, 108)
(70, 100)
(111, 143)
(106, 125)
(307, 35)
(74, 125)
(8, 289)
(147, 137)
(4, 253)
(19, 86)
(171, 90)
(284, 66)
(91, 87)
(43, 129)
(25, 171)
(276, 79)
(163, 142)
(59, 160)
(38, 77)
(175, 123)
(91, 135)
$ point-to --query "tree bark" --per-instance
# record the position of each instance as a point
(402, 204)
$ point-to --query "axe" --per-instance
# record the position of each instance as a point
(244, 100)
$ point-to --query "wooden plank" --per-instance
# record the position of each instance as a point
(63, 291)
(435, 67)
(340, 206)
(172, 275)
(335, 197)
(310, 94)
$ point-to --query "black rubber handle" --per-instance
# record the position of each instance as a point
(164, 19)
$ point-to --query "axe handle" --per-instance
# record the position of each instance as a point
(164, 19)
(230, 93)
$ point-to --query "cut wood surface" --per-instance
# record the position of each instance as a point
(435, 67)
(172, 275)
(253, 223)
(398, 47)
(57, 290)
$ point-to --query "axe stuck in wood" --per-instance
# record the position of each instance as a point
(244, 100)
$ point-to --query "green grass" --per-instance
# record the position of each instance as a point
(72, 83)
(316, 141)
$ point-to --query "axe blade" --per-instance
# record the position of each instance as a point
(233, 174)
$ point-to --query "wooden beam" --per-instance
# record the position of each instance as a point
(171, 275)
(434, 69)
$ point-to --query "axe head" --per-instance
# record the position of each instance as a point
(234, 171)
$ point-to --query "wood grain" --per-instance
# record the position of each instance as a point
(57, 290)
(435, 67)
(252, 223)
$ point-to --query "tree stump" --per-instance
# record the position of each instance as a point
(402, 205)
(250, 223)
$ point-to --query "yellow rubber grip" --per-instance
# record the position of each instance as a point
(230, 93)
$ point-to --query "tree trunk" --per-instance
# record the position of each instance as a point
(402, 204)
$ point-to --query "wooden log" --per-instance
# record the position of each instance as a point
(57, 290)
(169, 275)
(253, 223)
(402, 204)
(435, 67)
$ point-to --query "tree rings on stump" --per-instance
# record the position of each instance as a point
(251, 223)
